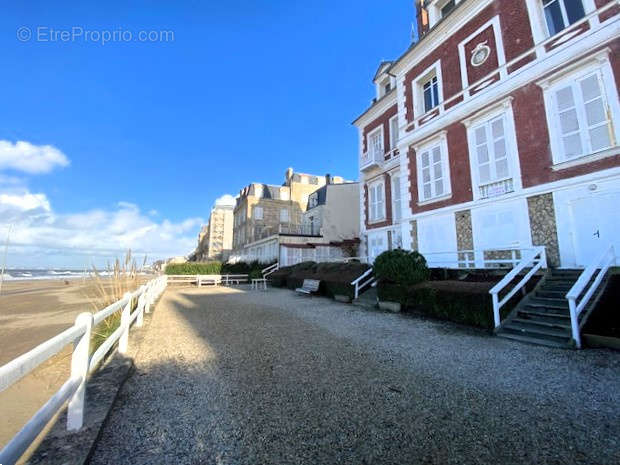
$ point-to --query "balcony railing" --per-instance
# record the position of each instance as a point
(497, 188)
(301, 229)
(371, 160)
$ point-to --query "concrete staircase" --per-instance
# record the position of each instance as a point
(368, 299)
(543, 317)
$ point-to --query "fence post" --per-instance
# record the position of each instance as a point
(123, 342)
(496, 317)
(79, 370)
(140, 308)
(147, 297)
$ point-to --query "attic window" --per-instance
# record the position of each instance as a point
(446, 7)
(387, 88)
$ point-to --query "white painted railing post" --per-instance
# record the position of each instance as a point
(147, 297)
(496, 309)
(574, 322)
(79, 371)
(140, 308)
(123, 342)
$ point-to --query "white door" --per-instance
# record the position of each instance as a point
(596, 224)
(437, 240)
(377, 243)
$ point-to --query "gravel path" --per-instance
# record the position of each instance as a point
(232, 377)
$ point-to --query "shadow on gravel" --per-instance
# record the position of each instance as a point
(278, 389)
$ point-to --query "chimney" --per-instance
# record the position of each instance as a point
(328, 178)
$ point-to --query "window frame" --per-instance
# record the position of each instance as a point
(378, 130)
(397, 200)
(504, 107)
(258, 209)
(565, 19)
(288, 218)
(373, 206)
(394, 141)
(440, 142)
(599, 65)
(433, 70)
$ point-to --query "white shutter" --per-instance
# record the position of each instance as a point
(396, 213)
(380, 202)
(569, 122)
(595, 113)
(491, 151)
(394, 132)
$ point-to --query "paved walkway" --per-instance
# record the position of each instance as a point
(234, 377)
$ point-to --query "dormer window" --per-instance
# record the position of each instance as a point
(559, 14)
(387, 88)
(446, 7)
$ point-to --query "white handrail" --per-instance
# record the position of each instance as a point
(603, 262)
(470, 257)
(270, 269)
(356, 282)
(536, 260)
(82, 363)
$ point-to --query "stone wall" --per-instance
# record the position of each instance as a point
(464, 234)
(414, 235)
(542, 222)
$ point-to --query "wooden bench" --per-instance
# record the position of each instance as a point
(309, 286)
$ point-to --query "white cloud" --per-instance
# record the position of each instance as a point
(29, 158)
(225, 200)
(38, 233)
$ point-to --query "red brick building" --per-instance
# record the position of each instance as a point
(498, 128)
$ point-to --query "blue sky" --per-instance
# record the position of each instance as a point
(151, 133)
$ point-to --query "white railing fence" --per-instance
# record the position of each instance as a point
(270, 269)
(207, 279)
(82, 363)
(597, 270)
(495, 257)
(535, 260)
(366, 279)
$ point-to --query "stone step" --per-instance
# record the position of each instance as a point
(553, 294)
(546, 307)
(550, 317)
(564, 325)
(532, 340)
(550, 302)
(538, 332)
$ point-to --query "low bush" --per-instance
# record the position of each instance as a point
(194, 268)
(255, 274)
(402, 267)
(335, 278)
(244, 267)
(467, 303)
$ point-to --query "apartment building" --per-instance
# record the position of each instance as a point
(497, 128)
(215, 239)
(267, 216)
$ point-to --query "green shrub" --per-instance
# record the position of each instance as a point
(244, 267)
(467, 303)
(335, 278)
(402, 267)
(194, 268)
(255, 274)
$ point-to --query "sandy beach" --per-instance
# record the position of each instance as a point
(32, 311)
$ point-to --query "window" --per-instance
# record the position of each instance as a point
(396, 204)
(581, 115)
(314, 200)
(258, 213)
(284, 215)
(377, 202)
(433, 177)
(394, 132)
(375, 144)
(491, 155)
(430, 91)
(446, 7)
(559, 14)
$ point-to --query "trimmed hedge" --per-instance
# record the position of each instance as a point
(467, 303)
(335, 277)
(244, 268)
(194, 268)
